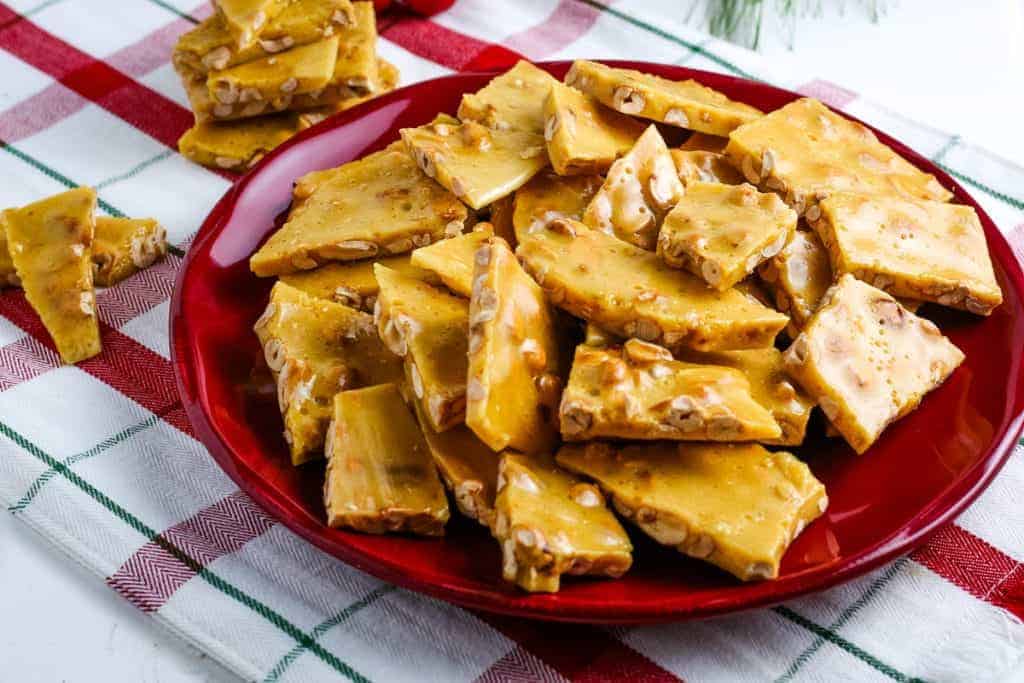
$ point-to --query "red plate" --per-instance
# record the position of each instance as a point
(924, 471)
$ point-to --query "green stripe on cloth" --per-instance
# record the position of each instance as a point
(322, 628)
(953, 141)
(844, 644)
(174, 10)
(102, 446)
(1001, 196)
(55, 175)
(207, 575)
(874, 589)
(135, 169)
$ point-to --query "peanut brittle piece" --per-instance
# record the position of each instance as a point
(429, 328)
(50, 242)
(381, 203)
(353, 283)
(867, 360)
(798, 276)
(584, 137)
(237, 145)
(930, 251)
(686, 104)
(275, 79)
(770, 386)
(211, 47)
(705, 167)
(327, 103)
(638, 391)
(467, 466)
(358, 72)
(452, 260)
(551, 523)
(122, 247)
(8, 273)
(640, 189)
(380, 476)
(805, 152)
(702, 142)
(316, 348)
(632, 293)
(477, 164)
(514, 100)
(246, 19)
(721, 233)
(737, 506)
(514, 374)
(549, 196)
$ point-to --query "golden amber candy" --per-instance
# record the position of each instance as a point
(245, 20)
(514, 100)
(737, 506)
(353, 283)
(380, 476)
(550, 523)
(706, 167)
(584, 137)
(124, 246)
(452, 260)
(702, 142)
(549, 196)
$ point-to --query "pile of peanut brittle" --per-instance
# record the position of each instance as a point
(259, 71)
(541, 307)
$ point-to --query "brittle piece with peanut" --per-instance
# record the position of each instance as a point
(686, 104)
(380, 476)
(867, 360)
(514, 374)
(353, 283)
(124, 246)
(452, 260)
(549, 196)
(632, 293)
(513, 100)
(638, 391)
(428, 327)
(551, 523)
(245, 20)
(381, 204)
(316, 348)
(50, 245)
(706, 167)
(721, 233)
(584, 137)
(737, 506)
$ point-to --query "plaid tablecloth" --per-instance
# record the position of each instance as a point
(100, 460)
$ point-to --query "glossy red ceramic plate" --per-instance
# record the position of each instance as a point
(924, 470)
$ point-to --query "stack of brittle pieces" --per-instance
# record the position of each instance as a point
(259, 71)
(541, 306)
(59, 250)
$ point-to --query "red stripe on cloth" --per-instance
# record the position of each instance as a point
(139, 293)
(447, 47)
(567, 22)
(138, 105)
(828, 92)
(39, 112)
(976, 566)
(582, 654)
(157, 570)
(519, 665)
(139, 373)
(24, 359)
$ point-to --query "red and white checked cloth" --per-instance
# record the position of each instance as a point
(100, 460)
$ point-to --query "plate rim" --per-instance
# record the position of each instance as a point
(943, 509)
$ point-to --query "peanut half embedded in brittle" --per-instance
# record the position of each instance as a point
(867, 360)
(549, 196)
(737, 506)
(632, 293)
(380, 476)
(551, 523)
(706, 167)
(930, 251)
(637, 391)
(50, 243)
(805, 152)
(316, 348)
(353, 283)
(381, 204)
(798, 276)
(686, 104)
(638, 192)
(452, 260)
(720, 233)
(276, 79)
(467, 466)
(211, 47)
(514, 100)
(124, 246)
(429, 328)
(477, 164)
(584, 136)
(514, 374)
(246, 19)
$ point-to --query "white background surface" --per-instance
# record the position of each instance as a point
(957, 66)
